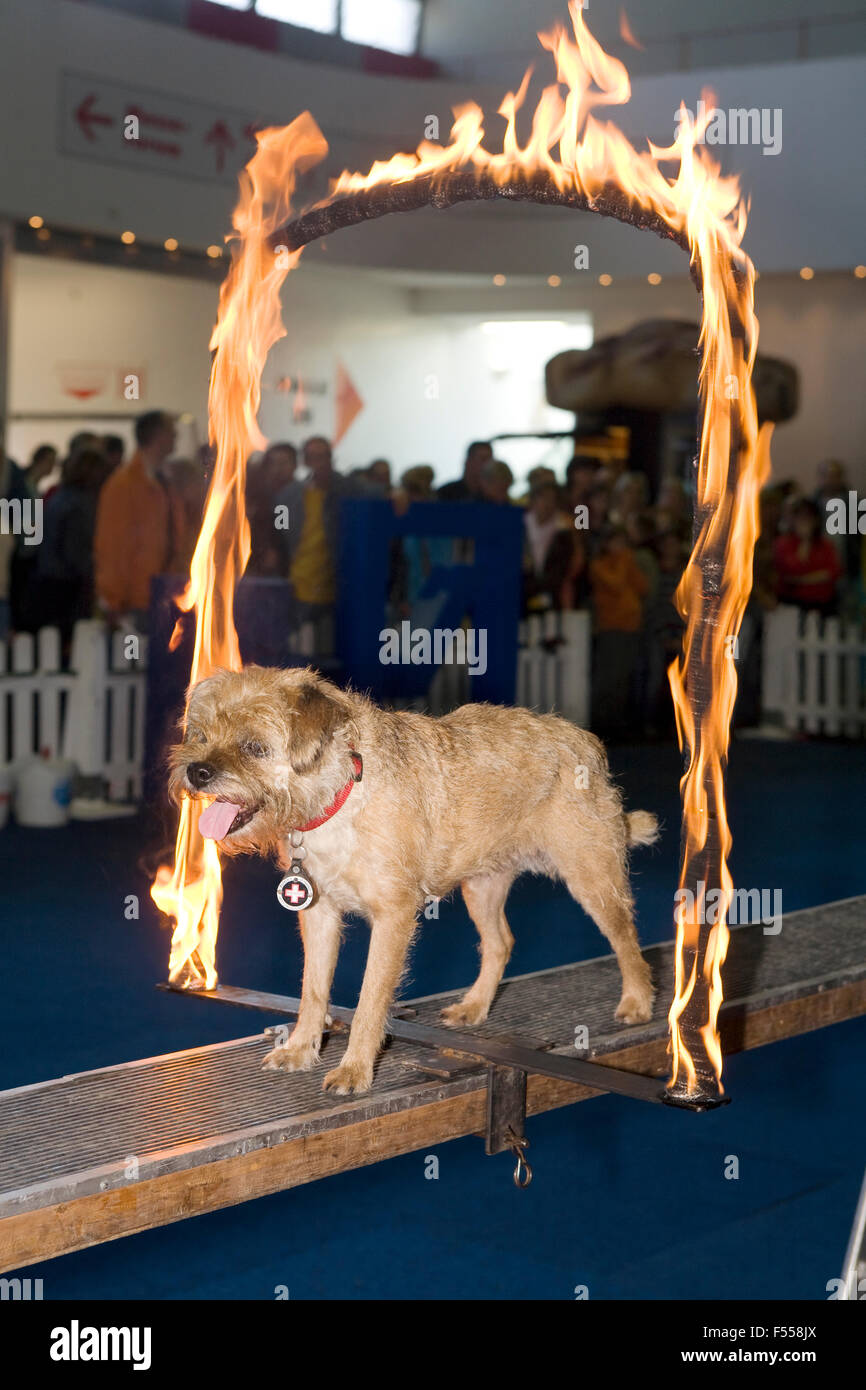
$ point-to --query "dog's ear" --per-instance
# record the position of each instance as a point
(314, 718)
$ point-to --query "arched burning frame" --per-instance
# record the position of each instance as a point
(702, 211)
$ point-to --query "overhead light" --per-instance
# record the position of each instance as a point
(554, 281)
(36, 220)
(127, 238)
(860, 272)
(499, 279)
(807, 273)
(605, 279)
(654, 278)
(214, 252)
(170, 243)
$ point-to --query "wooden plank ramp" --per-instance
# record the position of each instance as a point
(103, 1154)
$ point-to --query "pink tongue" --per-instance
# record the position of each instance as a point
(215, 821)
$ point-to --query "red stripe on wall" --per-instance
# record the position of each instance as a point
(235, 26)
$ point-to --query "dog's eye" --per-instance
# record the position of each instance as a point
(254, 748)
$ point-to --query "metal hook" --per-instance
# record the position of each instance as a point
(522, 1170)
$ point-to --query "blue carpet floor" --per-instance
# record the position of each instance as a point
(629, 1201)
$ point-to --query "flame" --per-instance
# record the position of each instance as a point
(626, 32)
(727, 509)
(684, 188)
(248, 324)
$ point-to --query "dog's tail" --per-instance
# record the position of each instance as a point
(643, 828)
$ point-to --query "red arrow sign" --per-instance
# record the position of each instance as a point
(347, 401)
(221, 137)
(87, 118)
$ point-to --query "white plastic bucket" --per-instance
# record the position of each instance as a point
(43, 791)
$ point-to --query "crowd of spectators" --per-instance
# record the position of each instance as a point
(108, 525)
(594, 539)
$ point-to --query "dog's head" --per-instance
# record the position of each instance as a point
(270, 749)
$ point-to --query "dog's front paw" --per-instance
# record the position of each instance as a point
(635, 1007)
(348, 1077)
(297, 1057)
(463, 1015)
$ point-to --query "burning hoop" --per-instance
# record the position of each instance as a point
(596, 170)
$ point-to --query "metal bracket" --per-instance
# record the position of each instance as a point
(495, 1051)
(506, 1108)
(506, 1118)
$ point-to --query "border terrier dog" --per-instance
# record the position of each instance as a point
(473, 798)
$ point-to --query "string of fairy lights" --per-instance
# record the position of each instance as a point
(806, 272)
(85, 241)
(172, 248)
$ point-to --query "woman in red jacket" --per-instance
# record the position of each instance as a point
(807, 564)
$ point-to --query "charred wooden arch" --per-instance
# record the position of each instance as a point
(444, 190)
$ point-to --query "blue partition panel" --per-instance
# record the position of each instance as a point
(263, 613)
(487, 590)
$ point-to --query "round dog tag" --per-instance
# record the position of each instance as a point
(295, 891)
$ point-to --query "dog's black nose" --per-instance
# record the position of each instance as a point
(199, 774)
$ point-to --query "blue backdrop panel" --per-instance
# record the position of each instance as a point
(488, 590)
(263, 613)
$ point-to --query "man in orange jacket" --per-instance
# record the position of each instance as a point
(139, 523)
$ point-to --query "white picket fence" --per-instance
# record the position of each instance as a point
(553, 666)
(814, 679)
(814, 673)
(450, 687)
(92, 714)
(305, 642)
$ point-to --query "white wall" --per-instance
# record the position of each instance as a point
(67, 313)
(401, 347)
(429, 385)
(818, 325)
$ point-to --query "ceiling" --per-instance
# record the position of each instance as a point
(489, 38)
(807, 200)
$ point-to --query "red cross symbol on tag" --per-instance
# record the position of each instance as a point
(295, 892)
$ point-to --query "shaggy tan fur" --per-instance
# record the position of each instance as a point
(473, 798)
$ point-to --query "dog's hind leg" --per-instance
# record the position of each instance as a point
(599, 882)
(485, 901)
(321, 929)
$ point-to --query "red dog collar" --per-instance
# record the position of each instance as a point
(339, 800)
